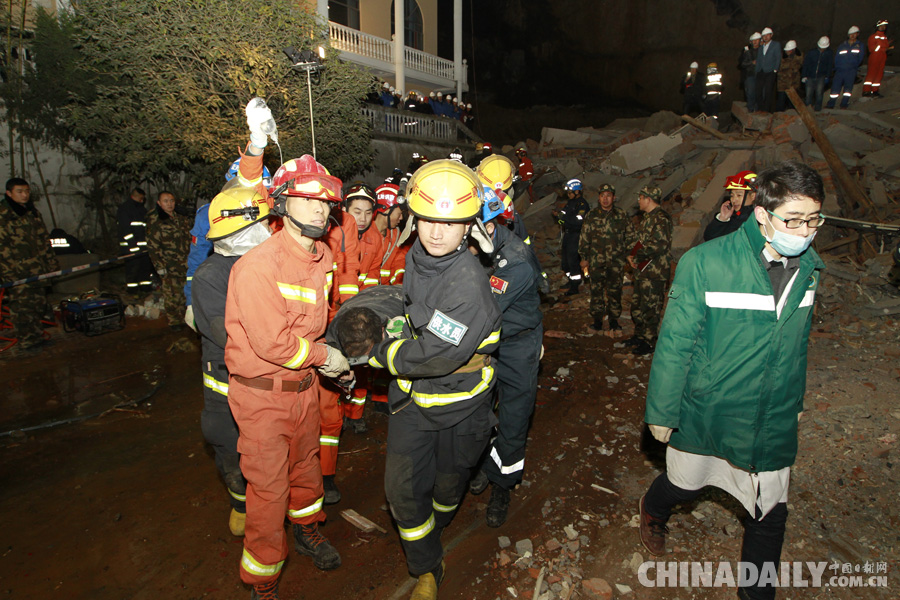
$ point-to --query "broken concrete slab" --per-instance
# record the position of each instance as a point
(735, 162)
(552, 137)
(756, 121)
(663, 121)
(642, 154)
(885, 160)
(673, 181)
(845, 138)
(696, 183)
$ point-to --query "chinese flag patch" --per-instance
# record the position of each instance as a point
(498, 286)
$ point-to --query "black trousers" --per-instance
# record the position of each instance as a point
(426, 474)
(765, 90)
(517, 364)
(763, 536)
(221, 432)
(570, 261)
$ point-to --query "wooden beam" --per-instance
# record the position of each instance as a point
(841, 174)
(704, 127)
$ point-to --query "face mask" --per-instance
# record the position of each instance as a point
(242, 241)
(786, 244)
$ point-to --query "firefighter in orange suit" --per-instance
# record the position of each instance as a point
(389, 215)
(360, 202)
(275, 319)
(344, 245)
(878, 47)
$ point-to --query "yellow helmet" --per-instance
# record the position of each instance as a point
(496, 171)
(445, 190)
(234, 209)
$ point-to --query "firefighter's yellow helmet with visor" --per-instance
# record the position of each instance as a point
(446, 191)
(233, 209)
(496, 171)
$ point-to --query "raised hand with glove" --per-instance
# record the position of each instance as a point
(335, 364)
(260, 122)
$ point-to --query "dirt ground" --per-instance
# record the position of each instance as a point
(129, 505)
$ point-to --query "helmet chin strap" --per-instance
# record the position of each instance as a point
(308, 230)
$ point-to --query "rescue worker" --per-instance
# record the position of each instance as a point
(131, 219)
(727, 384)
(651, 269)
(482, 151)
(441, 400)
(768, 61)
(515, 277)
(25, 251)
(712, 91)
(736, 208)
(788, 75)
(497, 172)
(849, 56)
(692, 85)
(169, 241)
(748, 70)
(343, 241)
(396, 240)
(816, 71)
(360, 203)
(606, 238)
(878, 47)
(239, 215)
(526, 170)
(571, 218)
(275, 317)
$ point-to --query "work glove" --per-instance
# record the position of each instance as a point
(394, 327)
(189, 317)
(260, 122)
(161, 272)
(661, 433)
(335, 364)
(803, 80)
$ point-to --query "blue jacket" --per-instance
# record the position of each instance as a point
(770, 61)
(201, 248)
(817, 63)
(849, 56)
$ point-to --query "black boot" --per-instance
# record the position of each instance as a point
(614, 324)
(573, 287)
(498, 506)
(598, 324)
(308, 541)
(478, 483)
(265, 591)
(332, 493)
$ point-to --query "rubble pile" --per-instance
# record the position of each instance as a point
(690, 164)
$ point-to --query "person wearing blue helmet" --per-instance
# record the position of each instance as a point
(571, 218)
(201, 248)
(515, 276)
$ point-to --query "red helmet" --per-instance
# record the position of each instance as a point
(509, 212)
(487, 146)
(307, 178)
(745, 180)
(386, 195)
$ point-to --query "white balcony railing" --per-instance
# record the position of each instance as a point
(350, 40)
(392, 122)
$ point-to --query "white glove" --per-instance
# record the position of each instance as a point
(260, 122)
(394, 327)
(661, 433)
(335, 364)
(803, 80)
(189, 317)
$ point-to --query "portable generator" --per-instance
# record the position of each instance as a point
(93, 315)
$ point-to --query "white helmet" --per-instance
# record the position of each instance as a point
(791, 45)
(853, 30)
(455, 101)
(767, 31)
(694, 65)
(755, 36)
(431, 95)
(386, 85)
(440, 95)
(392, 89)
(469, 106)
(823, 42)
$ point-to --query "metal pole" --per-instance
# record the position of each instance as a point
(312, 126)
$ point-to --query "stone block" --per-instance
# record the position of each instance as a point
(878, 194)
(757, 121)
(596, 589)
(570, 168)
(798, 132)
(885, 160)
(643, 154)
(785, 152)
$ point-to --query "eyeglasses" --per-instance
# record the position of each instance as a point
(812, 223)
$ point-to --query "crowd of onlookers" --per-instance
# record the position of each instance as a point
(769, 70)
(435, 103)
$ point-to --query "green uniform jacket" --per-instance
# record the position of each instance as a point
(606, 238)
(169, 241)
(24, 245)
(728, 375)
(655, 233)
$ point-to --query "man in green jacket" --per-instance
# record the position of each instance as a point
(728, 377)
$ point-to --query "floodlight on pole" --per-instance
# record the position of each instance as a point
(311, 62)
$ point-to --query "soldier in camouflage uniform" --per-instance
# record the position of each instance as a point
(169, 241)
(606, 239)
(24, 251)
(651, 267)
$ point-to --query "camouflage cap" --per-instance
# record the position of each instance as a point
(654, 193)
(607, 187)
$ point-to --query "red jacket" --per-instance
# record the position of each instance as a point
(393, 265)
(344, 244)
(371, 251)
(277, 309)
(526, 168)
(878, 42)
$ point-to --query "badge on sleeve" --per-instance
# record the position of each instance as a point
(446, 328)
(498, 286)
